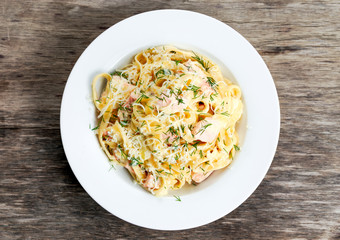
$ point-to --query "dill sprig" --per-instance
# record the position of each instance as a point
(180, 100)
(177, 156)
(194, 88)
(204, 64)
(212, 96)
(195, 146)
(135, 161)
(158, 127)
(172, 130)
(178, 199)
(119, 73)
(122, 152)
(123, 123)
(204, 128)
(151, 107)
(161, 99)
(95, 128)
(163, 72)
(182, 127)
(141, 98)
(212, 83)
(177, 62)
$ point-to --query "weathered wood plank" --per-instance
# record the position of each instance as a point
(41, 40)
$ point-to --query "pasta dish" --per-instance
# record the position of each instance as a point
(169, 118)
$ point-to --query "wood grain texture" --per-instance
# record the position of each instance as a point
(41, 40)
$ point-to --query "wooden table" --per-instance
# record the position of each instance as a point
(40, 40)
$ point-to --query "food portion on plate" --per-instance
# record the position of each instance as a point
(169, 118)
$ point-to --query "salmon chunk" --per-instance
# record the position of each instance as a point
(151, 182)
(200, 177)
(204, 85)
(207, 130)
(172, 103)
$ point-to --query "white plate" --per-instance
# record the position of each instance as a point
(226, 189)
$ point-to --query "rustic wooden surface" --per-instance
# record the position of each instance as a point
(40, 40)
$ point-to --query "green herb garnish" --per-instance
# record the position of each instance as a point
(122, 153)
(195, 144)
(185, 144)
(177, 62)
(172, 130)
(182, 127)
(95, 128)
(135, 161)
(119, 73)
(180, 100)
(177, 157)
(194, 88)
(178, 199)
(212, 96)
(204, 64)
(123, 123)
(162, 72)
(204, 128)
(143, 123)
(212, 83)
(169, 173)
(226, 114)
(237, 148)
(141, 98)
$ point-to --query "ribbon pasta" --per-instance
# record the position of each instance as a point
(168, 117)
